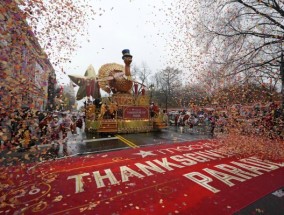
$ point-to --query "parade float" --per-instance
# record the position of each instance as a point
(126, 109)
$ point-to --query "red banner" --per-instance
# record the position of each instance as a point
(185, 178)
(136, 113)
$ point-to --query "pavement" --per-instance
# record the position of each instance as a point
(88, 143)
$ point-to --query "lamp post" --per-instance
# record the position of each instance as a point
(151, 91)
(282, 81)
(167, 98)
(282, 77)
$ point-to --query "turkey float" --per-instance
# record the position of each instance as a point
(126, 109)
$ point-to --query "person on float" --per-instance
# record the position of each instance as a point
(112, 109)
(154, 110)
(165, 117)
(103, 110)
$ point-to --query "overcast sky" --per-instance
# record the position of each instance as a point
(139, 25)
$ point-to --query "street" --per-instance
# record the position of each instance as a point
(89, 143)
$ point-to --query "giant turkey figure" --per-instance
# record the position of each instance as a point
(112, 77)
(116, 78)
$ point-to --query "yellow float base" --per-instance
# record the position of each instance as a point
(123, 126)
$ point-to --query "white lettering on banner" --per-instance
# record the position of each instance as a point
(151, 166)
(261, 164)
(99, 179)
(187, 148)
(240, 170)
(79, 184)
(202, 180)
(266, 161)
(256, 167)
(136, 112)
(251, 168)
(168, 150)
(190, 147)
(222, 152)
(208, 153)
(181, 159)
(235, 170)
(196, 158)
(126, 172)
(204, 155)
(225, 178)
(167, 164)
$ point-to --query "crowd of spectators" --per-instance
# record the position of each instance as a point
(24, 129)
(206, 120)
(262, 120)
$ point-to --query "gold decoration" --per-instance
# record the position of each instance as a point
(90, 111)
(123, 99)
(143, 100)
(39, 207)
(103, 110)
(112, 78)
(85, 83)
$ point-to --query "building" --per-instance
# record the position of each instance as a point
(69, 98)
(27, 75)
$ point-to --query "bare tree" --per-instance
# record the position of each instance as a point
(241, 38)
(167, 83)
(141, 74)
(193, 94)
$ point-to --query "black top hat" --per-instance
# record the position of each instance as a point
(126, 53)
